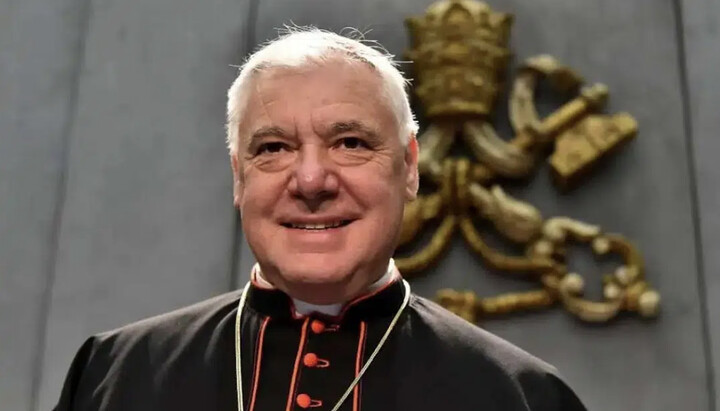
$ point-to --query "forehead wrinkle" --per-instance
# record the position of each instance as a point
(269, 130)
(260, 97)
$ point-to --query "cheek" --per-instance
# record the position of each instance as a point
(375, 187)
(261, 192)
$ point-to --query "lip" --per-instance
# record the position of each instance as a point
(317, 225)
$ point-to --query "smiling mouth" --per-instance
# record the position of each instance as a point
(317, 227)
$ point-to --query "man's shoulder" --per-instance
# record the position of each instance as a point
(133, 359)
(472, 341)
(465, 352)
(191, 319)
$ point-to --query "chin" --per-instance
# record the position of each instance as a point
(313, 271)
(315, 283)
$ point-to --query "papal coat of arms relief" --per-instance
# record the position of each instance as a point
(460, 55)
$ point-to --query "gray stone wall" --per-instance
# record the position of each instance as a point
(115, 195)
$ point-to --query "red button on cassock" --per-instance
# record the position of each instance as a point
(317, 326)
(310, 359)
(303, 400)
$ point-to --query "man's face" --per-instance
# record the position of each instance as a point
(321, 179)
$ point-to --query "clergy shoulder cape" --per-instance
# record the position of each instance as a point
(432, 360)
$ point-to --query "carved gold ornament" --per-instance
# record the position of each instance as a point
(459, 50)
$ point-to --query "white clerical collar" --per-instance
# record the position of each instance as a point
(304, 308)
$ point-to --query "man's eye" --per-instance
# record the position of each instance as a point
(352, 143)
(271, 148)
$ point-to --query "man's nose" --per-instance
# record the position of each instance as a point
(314, 179)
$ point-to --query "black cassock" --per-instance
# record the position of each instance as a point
(433, 360)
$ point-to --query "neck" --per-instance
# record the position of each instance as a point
(305, 308)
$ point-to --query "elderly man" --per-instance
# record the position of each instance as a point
(324, 158)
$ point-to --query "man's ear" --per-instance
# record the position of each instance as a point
(237, 183)
(412, 181)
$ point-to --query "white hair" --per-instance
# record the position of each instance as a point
(300, 47)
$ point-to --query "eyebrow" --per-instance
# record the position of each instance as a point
(352, 126)
(268, 131)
